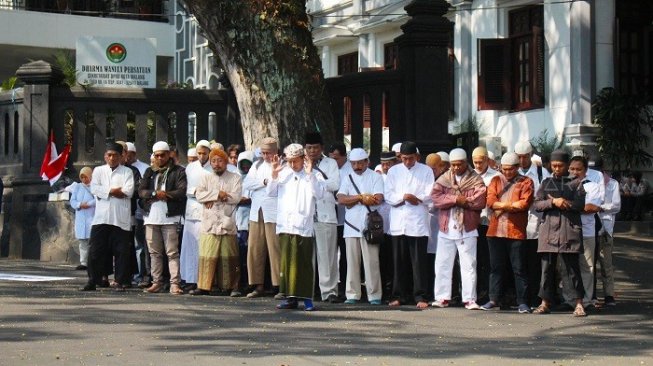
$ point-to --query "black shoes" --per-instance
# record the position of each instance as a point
(87, 287)
(198, 292)
(333, 299)
(80, 268)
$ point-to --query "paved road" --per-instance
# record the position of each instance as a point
(50, 323)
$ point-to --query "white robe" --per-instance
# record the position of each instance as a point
(108, 209)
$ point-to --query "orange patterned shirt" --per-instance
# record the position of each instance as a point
(511, 221)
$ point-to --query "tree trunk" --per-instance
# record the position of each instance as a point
(267, 51)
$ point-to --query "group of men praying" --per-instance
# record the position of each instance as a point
(291, 223)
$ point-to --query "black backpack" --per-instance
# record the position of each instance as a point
(373, 231)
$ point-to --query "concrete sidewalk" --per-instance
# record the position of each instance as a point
(51, 323)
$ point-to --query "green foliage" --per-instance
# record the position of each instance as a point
(545, 145)
(65, 60)
(623, 120)
(471, 124)
(9, 83)
(176, 85)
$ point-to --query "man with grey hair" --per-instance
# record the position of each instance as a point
(262, 243)
(533, 267)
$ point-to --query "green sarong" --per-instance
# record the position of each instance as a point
(296, 273)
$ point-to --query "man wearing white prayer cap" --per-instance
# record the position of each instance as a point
(509, 196)
(396, 148)
(189, 256)
(524, 151)
(460, 195)
(163, 193)
(360, 191)
(480, 159)
(192, 155)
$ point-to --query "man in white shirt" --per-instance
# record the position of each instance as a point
(460, 195)
(297, 186)
(262, 243)
(481, 162)
(609, 209)
(533, 267)
(112, 185)
(163, 191)
(408, 190)
(361, 191)
(388, 160)
(189, 256)
(593, 200)
(338, 152)
(326, 232)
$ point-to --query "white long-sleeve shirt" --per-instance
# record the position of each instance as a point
(407, 219)
(534, 217)
(487, 178)
(255, 184)
(296, 193)
(326, 206)
(194, 173)
(108, 209)
(369, 183)
(611, 206)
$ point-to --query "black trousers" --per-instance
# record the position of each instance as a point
(482, 265)
(386, 265)
(411, 268)
(533, 268)
(107, 241)
(504, 252)
(342, 261)
(571, 279)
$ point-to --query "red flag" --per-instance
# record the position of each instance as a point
(53, 164)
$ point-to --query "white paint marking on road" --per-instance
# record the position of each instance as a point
(30, 278)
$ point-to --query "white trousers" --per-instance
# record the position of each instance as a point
(190, 251)
(444, 261)
(327, 258)
(370, 252)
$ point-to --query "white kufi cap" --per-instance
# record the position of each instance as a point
(192, 152)
(457, 154)
(131, 147)
(443, 155)
(357, 154)
(203, 143)
(523, 147)
(510, 158)
(396, 147)
(161, 146)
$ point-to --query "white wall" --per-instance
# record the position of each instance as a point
(49, 30)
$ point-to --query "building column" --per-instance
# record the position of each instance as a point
(581, 133)
(363, 51)
(325, 56)
(424, 66)
(463, 58)
(605, 42)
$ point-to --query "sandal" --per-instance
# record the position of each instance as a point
(395, 303)
(422, 305)
(176, 290)
(579, 311)
(542, 309)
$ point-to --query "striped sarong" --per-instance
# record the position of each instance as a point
(219, 262)
(296, 273)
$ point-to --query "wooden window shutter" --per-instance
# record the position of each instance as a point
(538, 67)
(494, 74)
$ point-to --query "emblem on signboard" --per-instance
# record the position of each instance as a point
(116, 53)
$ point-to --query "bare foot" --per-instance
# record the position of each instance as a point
(395, 303)
(422, 305)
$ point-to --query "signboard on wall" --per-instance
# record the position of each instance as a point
(116, 62)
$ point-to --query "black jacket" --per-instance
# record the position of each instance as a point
(175, 189)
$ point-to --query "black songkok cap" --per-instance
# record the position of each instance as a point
(388, 155)
(313, 138)
(560, 155)
(115, 147)
(408, 148)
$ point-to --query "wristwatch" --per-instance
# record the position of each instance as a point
(153, 193)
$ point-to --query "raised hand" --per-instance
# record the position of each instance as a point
(308, 165)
